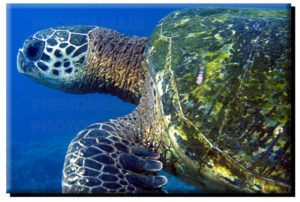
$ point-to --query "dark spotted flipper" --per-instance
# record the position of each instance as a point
(103, 159)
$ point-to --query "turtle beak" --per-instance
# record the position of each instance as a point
(20, 62)
(30, 52)
(24, 66)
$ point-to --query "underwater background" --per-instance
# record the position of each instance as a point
(41, 122)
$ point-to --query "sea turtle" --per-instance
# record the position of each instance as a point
(213, 93)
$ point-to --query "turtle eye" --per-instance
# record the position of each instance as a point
(33, 49)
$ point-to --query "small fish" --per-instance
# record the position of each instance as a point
(200, 76)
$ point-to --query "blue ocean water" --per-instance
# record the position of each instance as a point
(41, 121)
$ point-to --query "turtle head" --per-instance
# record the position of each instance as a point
(55, 57)
(85, 59)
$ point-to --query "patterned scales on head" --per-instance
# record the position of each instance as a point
(212, 89)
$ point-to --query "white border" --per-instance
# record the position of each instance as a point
(3, 108)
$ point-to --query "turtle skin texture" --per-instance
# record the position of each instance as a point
(223, 78)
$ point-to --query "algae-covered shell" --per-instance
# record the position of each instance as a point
(223, 78)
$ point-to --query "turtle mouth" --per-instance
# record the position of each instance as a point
(29, 68)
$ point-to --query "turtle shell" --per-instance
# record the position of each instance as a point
(223, 77)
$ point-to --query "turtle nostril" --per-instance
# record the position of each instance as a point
(34, 49)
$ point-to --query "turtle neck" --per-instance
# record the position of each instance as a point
(114, 64)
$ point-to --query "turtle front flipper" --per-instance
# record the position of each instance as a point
(104, 159)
